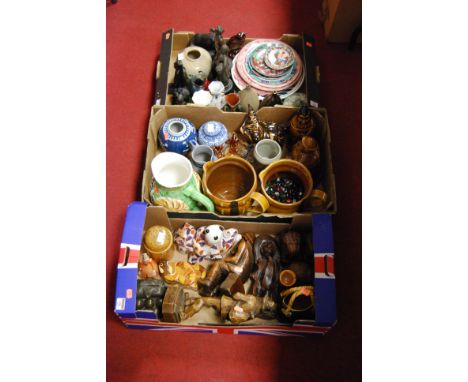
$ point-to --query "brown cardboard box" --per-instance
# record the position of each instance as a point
(320, 258)
(232, 120)
(173, 43)
(340, 18)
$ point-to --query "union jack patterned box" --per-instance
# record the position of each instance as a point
(140, 216)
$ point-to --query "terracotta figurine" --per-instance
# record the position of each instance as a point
(147, 268)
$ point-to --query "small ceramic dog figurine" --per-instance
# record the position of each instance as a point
(211, 242)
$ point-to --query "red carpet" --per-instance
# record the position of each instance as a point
(134, 30)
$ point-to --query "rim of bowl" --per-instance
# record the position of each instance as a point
(235, 160)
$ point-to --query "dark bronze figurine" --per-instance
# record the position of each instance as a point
(235, 43)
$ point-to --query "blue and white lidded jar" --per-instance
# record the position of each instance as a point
(212, 133)
(176, 135)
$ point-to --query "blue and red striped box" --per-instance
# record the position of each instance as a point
(140, 215)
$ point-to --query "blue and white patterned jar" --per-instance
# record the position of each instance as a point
(212, 133)
(177, 134)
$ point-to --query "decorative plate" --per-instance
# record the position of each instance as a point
(256, 61)
(267, 84)
(279, 56)
(241, 84)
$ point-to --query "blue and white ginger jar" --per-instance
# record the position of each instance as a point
(177, 134)
(212, 133)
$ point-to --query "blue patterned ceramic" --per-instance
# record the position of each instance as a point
(212, 133)
(176, 135)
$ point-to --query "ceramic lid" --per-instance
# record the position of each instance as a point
(157, 238)
(212, 133)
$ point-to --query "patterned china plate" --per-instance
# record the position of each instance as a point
(256, 61)
(267, 84)
(241, 84)
(279, 56)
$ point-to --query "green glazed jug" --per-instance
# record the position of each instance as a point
(175, 185)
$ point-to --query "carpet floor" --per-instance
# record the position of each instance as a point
(133, 42)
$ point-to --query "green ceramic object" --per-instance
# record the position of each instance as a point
(185, 198)
(175, 185)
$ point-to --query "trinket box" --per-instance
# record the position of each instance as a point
(242, 310)
(278, 55)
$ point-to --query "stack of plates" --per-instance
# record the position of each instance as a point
(268, 66)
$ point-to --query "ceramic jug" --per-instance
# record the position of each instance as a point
(175, 185)
(231, 183)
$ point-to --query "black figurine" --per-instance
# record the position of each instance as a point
(179, 89)
(150, 294)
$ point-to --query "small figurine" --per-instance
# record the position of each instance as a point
(307, 152)
(150, 294)
(267, 257)
(302, 123)
(233, 144)
(290, 246)
(147, 267)
(179, 76)
(276, 131)
(179, 89)
(222, 67)
(271, 99)
(212, 242)
(231, 285)
(205, 41)
(182, 272)
(242, 307)
(217, 38)
(249, 307)
(252, 130)
(235, 43)
(181, 96)
(239, 264)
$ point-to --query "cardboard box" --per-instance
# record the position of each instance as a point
(340, 18)
(140, 217)
(173, 43)
(232, 120)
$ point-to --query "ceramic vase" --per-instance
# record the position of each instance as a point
(176, 135)
(196, 62)
(213, 134)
